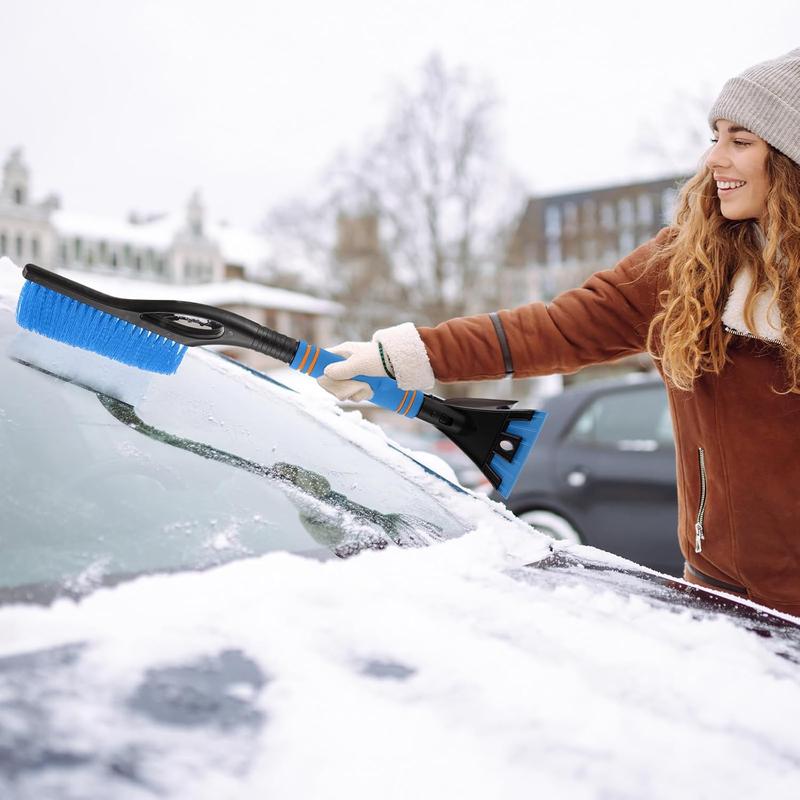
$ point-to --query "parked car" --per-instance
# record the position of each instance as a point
(175, 622)
(603, 472)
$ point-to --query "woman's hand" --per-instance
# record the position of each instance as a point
(360, 358)
(397, 352)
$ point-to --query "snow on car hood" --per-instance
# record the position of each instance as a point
(438, 672)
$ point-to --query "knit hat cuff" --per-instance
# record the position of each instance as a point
(749, 104)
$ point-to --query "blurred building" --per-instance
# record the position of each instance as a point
(365, 280)
(213, 263)
(561, 239)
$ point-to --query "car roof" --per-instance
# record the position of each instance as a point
(601, 385)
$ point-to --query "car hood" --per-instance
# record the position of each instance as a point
(449, 671)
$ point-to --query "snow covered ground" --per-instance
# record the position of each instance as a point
(447, 671)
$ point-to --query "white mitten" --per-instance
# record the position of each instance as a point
(360, 358)
(398, 352)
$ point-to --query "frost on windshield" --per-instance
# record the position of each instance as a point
(331, 518)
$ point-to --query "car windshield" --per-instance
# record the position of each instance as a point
(212, 464)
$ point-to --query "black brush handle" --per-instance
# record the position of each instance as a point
(190, 324)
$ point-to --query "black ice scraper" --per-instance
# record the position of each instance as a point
(154, 334)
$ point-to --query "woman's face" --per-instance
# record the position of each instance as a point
(739, 157)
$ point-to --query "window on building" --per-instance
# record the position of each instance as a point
(589, 249)
(102, 252)
(89, 257)
(553, 252)
(589, 211)
(668, 200)
(552, 221)
(644, 209)
(160, 265)
(607, 216)
(571, 217)
(113, 258)
(127, 255)
(137, 262)
(35, 248)
(303, 326)
(19, 196)
(3, 243)
(20, 249)
(77, 246)
(625, 211)
(63, 252)
(627, 242)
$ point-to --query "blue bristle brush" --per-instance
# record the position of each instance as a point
(154, 334)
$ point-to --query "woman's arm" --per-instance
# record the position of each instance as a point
(603, 320)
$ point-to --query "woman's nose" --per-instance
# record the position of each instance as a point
(716, 157)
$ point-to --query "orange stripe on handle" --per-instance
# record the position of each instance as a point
(305, 358)
(410, 403)
(313, 361)
(402, 402)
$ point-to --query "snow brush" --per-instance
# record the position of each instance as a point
(153, 335)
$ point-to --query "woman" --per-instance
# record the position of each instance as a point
(715, 300)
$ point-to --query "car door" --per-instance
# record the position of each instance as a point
(616, 469)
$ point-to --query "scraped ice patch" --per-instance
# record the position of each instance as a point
(432, 462)
(75, 365)
(351, 425)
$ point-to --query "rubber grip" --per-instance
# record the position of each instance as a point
(312, 361)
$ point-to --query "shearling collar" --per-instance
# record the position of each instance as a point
(767, 318)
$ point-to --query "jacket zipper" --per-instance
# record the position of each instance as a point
(701, 511)
(748, 335)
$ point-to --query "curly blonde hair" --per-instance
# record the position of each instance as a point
(703, 255)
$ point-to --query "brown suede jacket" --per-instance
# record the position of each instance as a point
(737, 441)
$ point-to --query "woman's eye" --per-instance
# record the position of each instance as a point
(735, 141)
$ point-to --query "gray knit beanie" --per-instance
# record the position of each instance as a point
(765, 99)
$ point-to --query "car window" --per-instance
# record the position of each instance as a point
(635, 419)
(214, 463)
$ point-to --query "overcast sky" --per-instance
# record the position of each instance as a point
(131, 105)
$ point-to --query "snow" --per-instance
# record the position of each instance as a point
(238, 292)
(222, 293)
(241, 246)
(11, 281)
(451, 670)
(238, 245)
(158, 234)
(432, 672)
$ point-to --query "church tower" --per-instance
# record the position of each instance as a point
(16, 180)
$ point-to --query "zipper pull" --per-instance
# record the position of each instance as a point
(698, 537)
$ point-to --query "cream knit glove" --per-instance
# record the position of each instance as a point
(404, 357)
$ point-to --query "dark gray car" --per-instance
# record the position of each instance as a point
(603, 472)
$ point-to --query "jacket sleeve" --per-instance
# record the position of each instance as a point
(605, 319)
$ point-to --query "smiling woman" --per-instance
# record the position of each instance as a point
(738, 162)
(714, 299)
